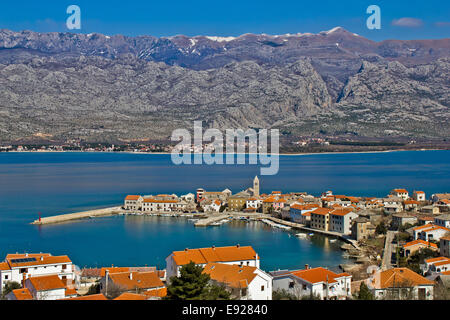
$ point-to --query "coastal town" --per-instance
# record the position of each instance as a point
(399, 245)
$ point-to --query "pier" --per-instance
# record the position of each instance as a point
(304, 228)
(211, 219)
(78, 215)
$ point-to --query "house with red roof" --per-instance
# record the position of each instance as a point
(133, 202)
(49, 287)
(20, 266)
(439, 264)
(243, 282)
(429, 232)
(240, 255)
(410, 247)
(253, 202)
(131, 281)
(313, 281)
(419, 196)
(400, 283)
(301, 213)
(341, 220)
(401, 193)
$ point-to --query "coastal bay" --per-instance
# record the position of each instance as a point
(55, 183)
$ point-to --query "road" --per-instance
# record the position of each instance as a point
(388, 249)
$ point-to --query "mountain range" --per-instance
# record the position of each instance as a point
(59, 86)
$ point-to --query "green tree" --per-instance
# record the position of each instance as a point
(191, 284)
(364, 293)
(381, 228)
(311, 296)
(94, 289)
(10, 286)
(215, 292)
(415, 260)
(283, 294)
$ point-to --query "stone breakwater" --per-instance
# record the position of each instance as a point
(79, 215)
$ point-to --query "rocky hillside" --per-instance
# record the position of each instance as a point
(64, 85)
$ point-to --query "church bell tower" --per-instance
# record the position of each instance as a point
(256, 186)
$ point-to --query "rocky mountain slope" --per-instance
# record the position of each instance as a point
(64, 85)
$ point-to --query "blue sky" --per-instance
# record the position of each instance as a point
(415, 19)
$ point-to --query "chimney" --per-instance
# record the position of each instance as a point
(24, 277)
(238, 245)
(131, 276)
(42, 258)
(213, 247)
(306, 266)
(26, 254)
(186, 249)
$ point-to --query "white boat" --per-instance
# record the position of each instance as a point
(301, 235)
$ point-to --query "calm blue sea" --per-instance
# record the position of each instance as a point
(54, 183)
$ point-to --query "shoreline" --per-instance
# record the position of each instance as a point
(269, 154)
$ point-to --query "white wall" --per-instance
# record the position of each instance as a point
(33, 271)
(254, 288)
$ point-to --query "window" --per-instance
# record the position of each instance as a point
(291, 284)
(262, 288)
(23, 270)
(6, 277)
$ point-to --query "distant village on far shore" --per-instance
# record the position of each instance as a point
(399, 245)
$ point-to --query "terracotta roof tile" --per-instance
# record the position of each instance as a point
(321, 211)
(131, 296)
(401, 276)
(132, 197)
(45, 283)
(316, 275)
(216, 254)
(41, 259)
(22, 294)
(433, 260)
(4, 266)
(113, 270)
(419, 241)
(156, 293)
(143, 280)
(231, 274)
(71, 292)
(341, 212)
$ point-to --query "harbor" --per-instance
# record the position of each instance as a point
(201, 220)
